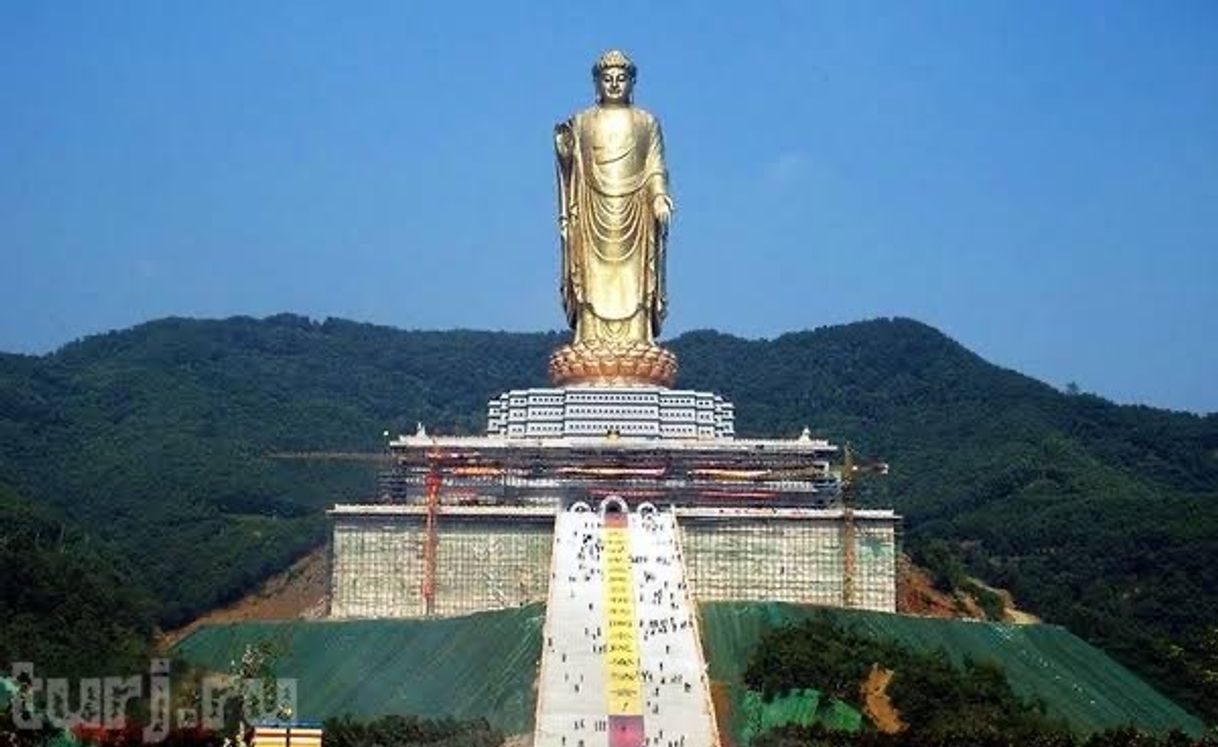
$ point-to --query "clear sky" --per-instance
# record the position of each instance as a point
(1039, 180)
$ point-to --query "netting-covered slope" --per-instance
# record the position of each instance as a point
(484, 665)
(1077, 681)
(799, 708)
(478, 666)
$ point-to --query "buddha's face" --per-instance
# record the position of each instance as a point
(614, 86)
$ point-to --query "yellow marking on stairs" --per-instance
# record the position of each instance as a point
(621, 643)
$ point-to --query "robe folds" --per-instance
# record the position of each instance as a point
(610, 171)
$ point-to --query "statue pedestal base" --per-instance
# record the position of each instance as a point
(617, 365)
(635, 412)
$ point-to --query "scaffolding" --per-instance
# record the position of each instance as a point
(477, 561)
(799, 557)
(498, 557)
(850, 472)
(465, 523)
(492, 471)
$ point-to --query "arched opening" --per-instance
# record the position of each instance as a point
(579, 507)
(614, 505)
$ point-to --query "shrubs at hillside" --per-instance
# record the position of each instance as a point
(795, 736)
(933, 696)
(410, 731)
(65, 604)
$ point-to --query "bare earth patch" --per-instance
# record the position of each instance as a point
(297, 593)
(876, 703)
(917, 595)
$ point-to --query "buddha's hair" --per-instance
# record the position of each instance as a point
(614, 58)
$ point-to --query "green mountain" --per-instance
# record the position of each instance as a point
(148, 448)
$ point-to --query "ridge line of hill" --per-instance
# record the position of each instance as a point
(147, 444)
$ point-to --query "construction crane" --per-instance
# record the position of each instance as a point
(432, 483)
(849, 472)
(431, 538)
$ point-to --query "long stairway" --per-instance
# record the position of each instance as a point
(622, 663)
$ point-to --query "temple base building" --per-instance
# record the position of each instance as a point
(466, 524)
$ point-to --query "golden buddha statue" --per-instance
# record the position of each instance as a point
(614, 212)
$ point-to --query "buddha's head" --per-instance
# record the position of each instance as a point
(614, 75)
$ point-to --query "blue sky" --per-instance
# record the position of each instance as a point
(1038, 180)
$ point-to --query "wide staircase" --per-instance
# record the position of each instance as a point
(622, 663)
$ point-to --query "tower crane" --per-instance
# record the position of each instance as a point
(849, 472)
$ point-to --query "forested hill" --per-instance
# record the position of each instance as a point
(140, 454)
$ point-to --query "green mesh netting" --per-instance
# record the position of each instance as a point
(841, 716)
(479, 666)
(485, 665)
(798, 708)
(752, 716)
(1078, 682)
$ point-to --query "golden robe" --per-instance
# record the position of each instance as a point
(610, 171)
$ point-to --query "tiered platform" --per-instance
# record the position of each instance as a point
(638, 412)
(557, 471)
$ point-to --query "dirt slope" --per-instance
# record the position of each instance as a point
(297, 593)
